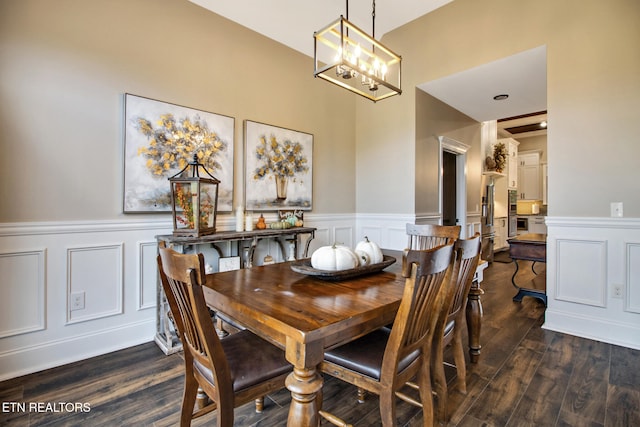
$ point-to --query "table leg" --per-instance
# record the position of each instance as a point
(304, 383)
(474, 320)
(523, 292)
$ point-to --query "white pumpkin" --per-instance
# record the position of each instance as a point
(371, 248)
(363, 257)
(334, 258)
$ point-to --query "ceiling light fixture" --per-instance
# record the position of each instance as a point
(501, 97)
(348, 57)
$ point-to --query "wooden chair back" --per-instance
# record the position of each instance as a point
(424, 293)
(449, 325)
(467, 256)
(427, 236)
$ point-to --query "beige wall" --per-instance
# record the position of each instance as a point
(534, 143)
(66, 64)
(434, 119)
(593, 65)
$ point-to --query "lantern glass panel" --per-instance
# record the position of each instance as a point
(208, 199)
(195, 204)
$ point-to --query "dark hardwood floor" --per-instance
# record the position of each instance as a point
(526, 376)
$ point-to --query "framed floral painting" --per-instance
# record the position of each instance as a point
(278, 168)
(160, 140)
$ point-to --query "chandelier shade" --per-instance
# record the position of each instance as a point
(348, 57)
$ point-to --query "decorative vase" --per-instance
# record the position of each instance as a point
(281, 187)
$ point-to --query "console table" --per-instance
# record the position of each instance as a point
(246, 242)
(530, 247)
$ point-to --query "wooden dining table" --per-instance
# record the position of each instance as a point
(306, 315)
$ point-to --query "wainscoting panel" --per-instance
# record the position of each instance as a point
(397, 237)
(588, 260)
(343, 236)
(95, 272)
(323, 237)
(576, 283)
(23, 292)
(147, 274)
(387, 230)
(632, 284)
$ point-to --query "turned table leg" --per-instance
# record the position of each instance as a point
(304, 383)
(474, 320)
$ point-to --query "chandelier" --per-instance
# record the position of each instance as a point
(347, 56)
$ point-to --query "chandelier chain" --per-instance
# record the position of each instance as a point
(373, 19)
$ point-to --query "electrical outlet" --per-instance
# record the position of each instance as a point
(616, 209)
(616, 291)
(77, 301)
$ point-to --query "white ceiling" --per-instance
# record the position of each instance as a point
(292, 22)
(522, 76)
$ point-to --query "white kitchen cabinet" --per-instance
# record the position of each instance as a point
(537, 225)
(529, 176)
(512, 166)
(500, 228)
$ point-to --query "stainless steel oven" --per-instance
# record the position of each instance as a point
(522, 225)
(513, 213)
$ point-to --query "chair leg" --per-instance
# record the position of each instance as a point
(439, 380)
(361, 394)
(426, 394)
(388, 408)
(188, 400)
(458, 357)
(259, 405)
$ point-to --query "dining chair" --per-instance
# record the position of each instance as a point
(231, 371)
(427, 236)
(449, 326)
(382, 361)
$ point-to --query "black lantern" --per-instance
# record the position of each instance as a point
(194, 201)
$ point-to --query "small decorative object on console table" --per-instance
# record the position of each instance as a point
(194, 201)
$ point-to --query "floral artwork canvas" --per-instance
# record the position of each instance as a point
(278, 167)
(161, 139)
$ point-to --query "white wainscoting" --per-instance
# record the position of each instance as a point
(587, 259)
(114, 264)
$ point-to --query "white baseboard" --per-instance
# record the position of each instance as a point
(45, 355)
(604, 330)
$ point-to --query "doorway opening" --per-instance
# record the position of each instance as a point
(453, 183)
(449, 193)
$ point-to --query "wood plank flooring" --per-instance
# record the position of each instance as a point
(526, 376)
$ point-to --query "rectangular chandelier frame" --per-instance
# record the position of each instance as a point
(350, 58)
